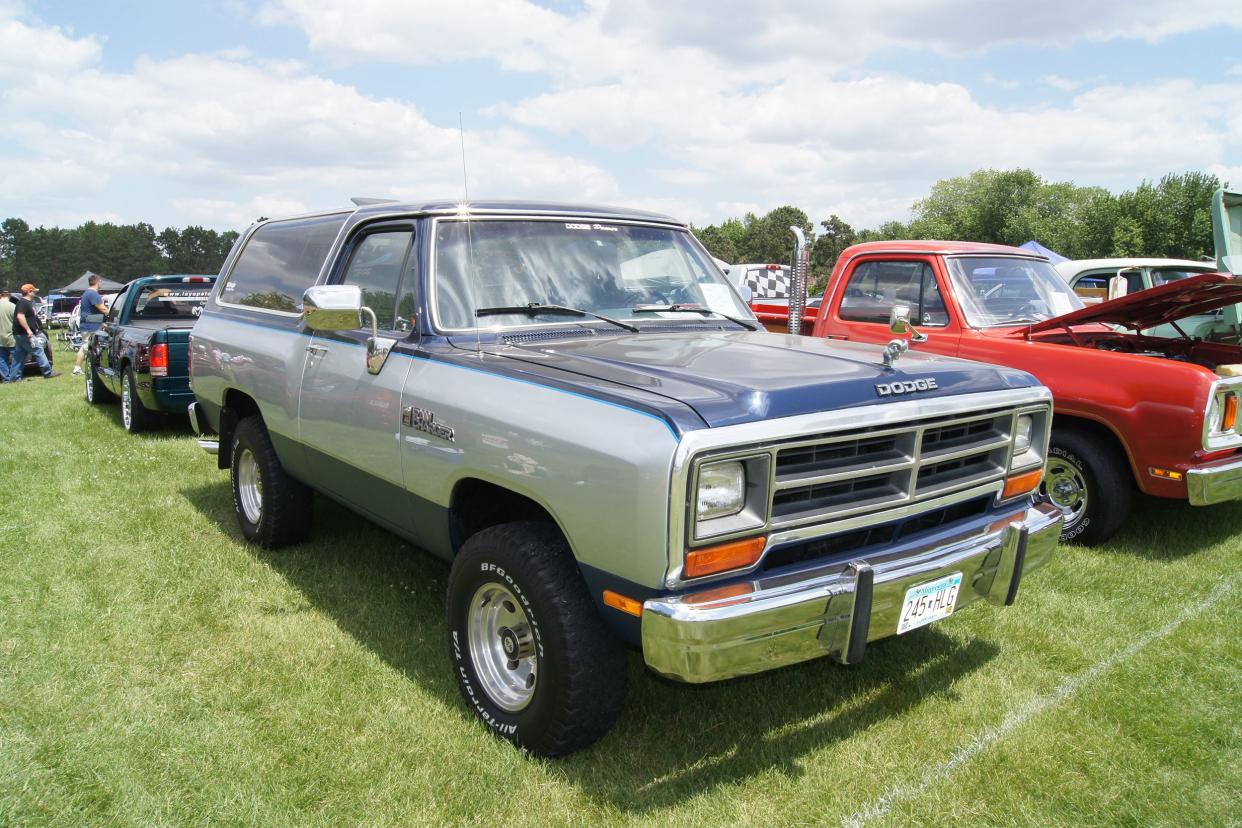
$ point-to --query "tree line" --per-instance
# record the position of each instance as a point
(53, 256)
(1170, 218)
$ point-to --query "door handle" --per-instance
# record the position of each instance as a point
(835, 336)
(317, 350)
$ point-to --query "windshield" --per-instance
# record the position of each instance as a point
(996, 291)
(604, 268)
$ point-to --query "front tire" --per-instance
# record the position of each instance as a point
(272, 508)
(135, 416)
(533, 658)
(96, 392)
(1091, 483)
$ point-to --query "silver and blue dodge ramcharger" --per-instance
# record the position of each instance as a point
(575, 407)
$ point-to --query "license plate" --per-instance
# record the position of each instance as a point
(929, 602)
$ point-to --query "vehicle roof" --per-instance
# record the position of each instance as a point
(940, 247)
(1075, 266)
(494, 207)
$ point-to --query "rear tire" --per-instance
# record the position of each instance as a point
(532, 656)
(272, 508)
(135, 416)
(1092, 483)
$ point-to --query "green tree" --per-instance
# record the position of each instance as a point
(768, 239)
(717, 243)
(981, 206)
(836, 236)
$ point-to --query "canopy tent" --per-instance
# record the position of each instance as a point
(79, 285)
(1053, 256)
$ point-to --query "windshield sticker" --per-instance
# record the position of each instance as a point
(572, 226)
(719, 298)
(181, 296)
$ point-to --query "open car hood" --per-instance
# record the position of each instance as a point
(1154, 306)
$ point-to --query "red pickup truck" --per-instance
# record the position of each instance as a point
(1131, 411)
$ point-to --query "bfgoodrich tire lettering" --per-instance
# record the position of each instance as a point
(1098, 511)
(272, 508)
(579, 667)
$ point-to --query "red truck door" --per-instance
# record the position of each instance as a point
(859, 300)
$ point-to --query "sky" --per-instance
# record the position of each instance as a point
(218, 113)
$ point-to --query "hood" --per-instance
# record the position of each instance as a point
(1154, 306)
(737, 377)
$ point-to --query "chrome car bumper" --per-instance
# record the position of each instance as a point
(207, 439)
(1214, 483)
(835, 610)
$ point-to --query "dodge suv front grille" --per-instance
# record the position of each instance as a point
(869, 469)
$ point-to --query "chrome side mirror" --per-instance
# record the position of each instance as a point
(332, 307)
(899, 324)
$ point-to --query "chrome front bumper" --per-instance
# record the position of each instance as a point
(835, 610)
(1214, 483)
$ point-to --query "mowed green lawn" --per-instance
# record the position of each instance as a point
(157, 670)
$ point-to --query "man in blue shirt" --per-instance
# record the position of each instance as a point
(92, 304)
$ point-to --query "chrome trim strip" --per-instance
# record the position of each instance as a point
(209, 446)
(766, 433)
(856, 470)
(954, 454)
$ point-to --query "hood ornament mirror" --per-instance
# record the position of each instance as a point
(899, 325)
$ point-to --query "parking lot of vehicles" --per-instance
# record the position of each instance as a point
(575, 407)
(141, 352)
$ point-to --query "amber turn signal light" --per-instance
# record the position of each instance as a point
(1231, 413)
(723, 557)
(618, 601)
(1022, 483)
(1166, 474)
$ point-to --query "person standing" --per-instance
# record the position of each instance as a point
(9, 371)
(92, 303)
(29, 334)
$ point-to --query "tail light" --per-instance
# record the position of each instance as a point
(159, 360)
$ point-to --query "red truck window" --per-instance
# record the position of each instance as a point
(875, 287)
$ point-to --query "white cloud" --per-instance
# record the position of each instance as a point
(221, 138)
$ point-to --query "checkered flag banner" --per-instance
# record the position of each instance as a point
(769, 284)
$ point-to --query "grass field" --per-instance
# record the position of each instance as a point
(156, 670)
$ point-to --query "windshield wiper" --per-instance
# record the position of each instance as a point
(537, 308)
(685, 308)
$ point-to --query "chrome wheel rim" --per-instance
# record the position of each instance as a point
(502, 647)
(127, 414)
(1065, 485)
(249, 486)
(90, 389)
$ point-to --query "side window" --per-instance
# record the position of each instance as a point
(1134, 282)
(1092, 286)
(117, 303)
(378, 265)
(279, 262)
(875, 287)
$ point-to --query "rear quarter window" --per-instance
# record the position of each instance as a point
(279, 262)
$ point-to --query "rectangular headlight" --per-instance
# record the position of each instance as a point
(1022, 433)
(722, 490)
(1030, 439)
(729, 497)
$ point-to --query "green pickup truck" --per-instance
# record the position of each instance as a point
(141, 352)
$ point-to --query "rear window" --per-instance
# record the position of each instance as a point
(280, 261)
(170, 301)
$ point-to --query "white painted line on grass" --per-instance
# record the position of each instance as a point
(1023, 714)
